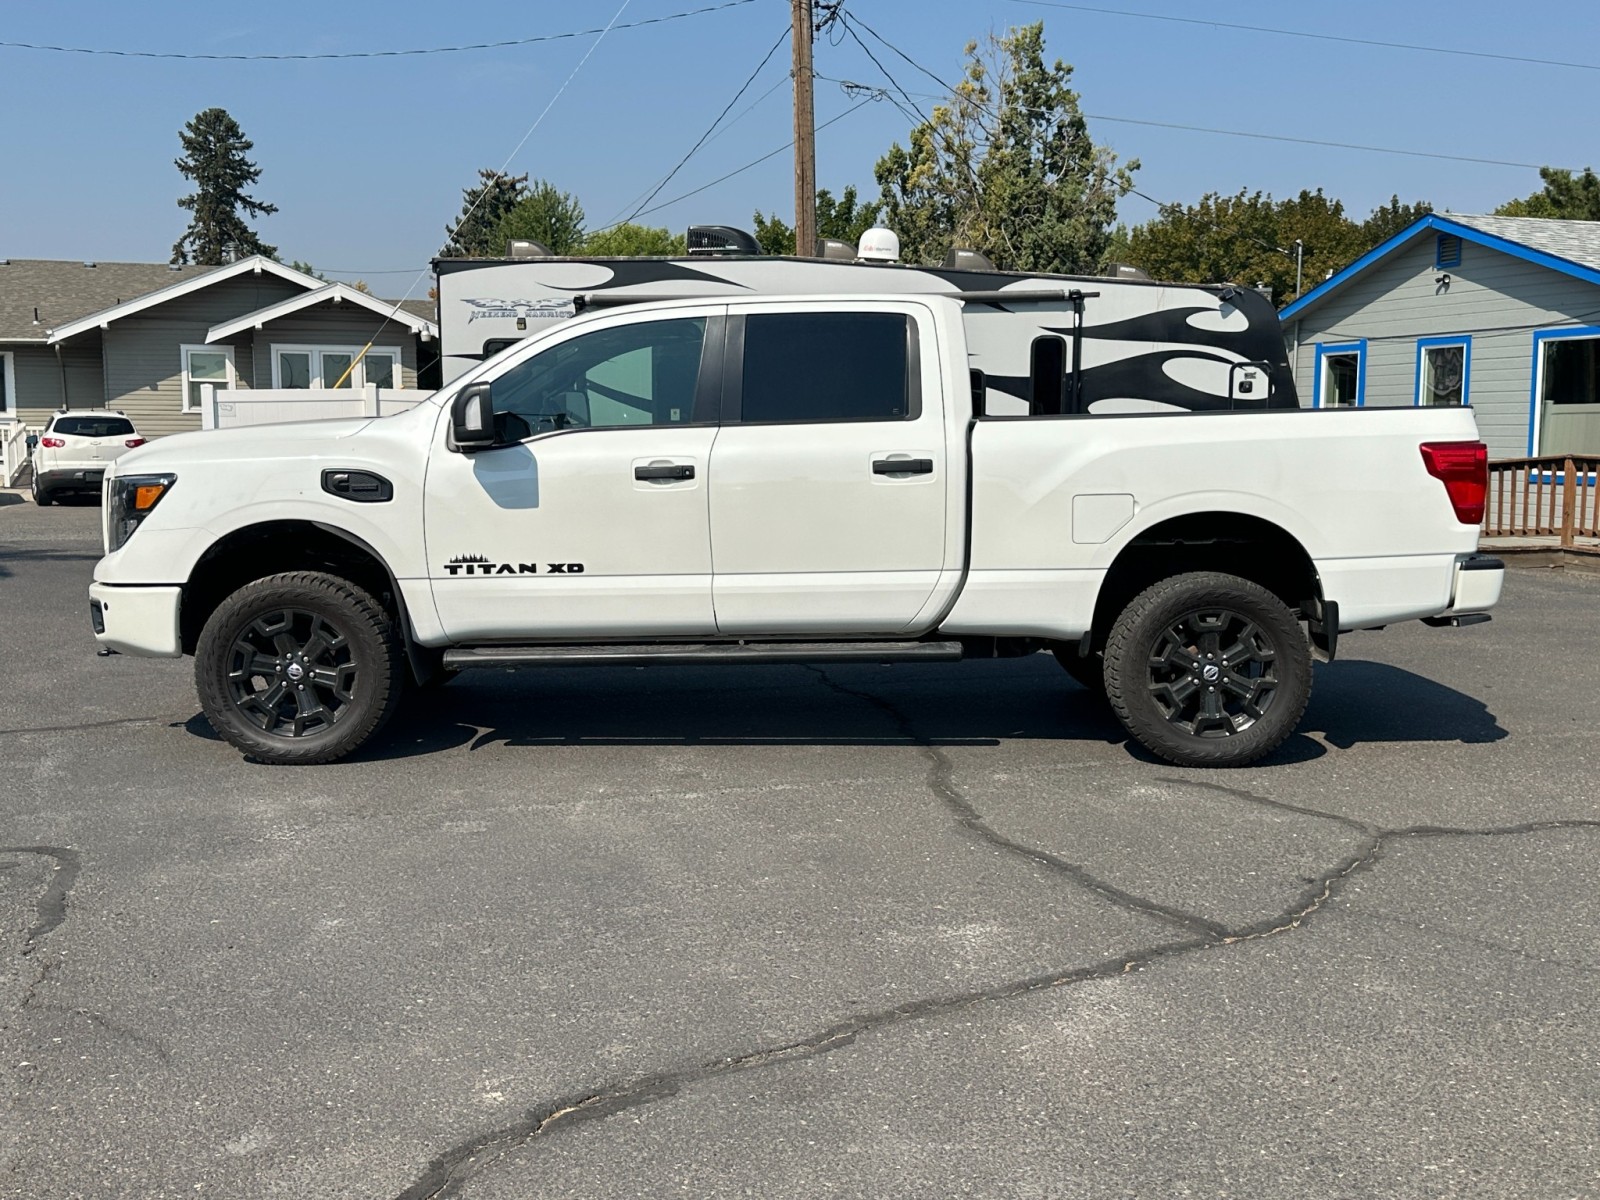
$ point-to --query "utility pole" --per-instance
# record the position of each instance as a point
(805, 133)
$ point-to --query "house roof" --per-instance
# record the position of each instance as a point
(338, 293)
(183, 287)
(64, 290)
(1570, 247)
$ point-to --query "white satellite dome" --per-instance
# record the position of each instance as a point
(879, 245)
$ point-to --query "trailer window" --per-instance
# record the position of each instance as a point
(827, 367)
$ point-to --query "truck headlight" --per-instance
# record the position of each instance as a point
(129, 500)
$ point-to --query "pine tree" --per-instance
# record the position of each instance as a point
(476, 233)
(214, 150)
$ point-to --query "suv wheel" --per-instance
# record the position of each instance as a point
(1208, 670)
(299, 668)
(40, 497)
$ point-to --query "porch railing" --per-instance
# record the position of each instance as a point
(1544, 497)
(13, 451)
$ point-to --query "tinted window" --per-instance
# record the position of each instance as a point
(825, 367)
(94, 427)
(644, 374)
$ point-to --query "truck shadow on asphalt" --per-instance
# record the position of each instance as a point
(1353, 703)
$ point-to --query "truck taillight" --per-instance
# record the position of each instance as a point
(1463, 468)
(132, 442)
(50, 443)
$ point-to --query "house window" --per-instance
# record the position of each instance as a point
(331, 367)
(1341, 376)
(1566, 417)
(1447, 252)
(1443, 368)
(203, 365)
(8, 385)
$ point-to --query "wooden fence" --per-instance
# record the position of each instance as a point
(1543, 497)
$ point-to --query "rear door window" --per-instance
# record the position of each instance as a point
(805, 367)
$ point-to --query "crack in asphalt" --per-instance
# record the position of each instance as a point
(94, 725)
(447, 1173)
(941, 782)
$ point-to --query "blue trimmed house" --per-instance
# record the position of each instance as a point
(1502, 313)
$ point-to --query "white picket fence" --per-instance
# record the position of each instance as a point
(13, 451)
(230, 408)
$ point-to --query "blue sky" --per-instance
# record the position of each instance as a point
(366, 158)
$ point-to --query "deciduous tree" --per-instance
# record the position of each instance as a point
(634, 241)
(845, 218)
(1006, 167)
(545, 214)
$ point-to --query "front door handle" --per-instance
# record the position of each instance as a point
(670, 471)
(902, 466)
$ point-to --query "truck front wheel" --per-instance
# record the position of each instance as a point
(1208, 670)
(299, 668)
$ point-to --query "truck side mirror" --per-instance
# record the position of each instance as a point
(472, 418)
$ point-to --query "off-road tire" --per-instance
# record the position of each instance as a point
(1088, 670)
(1149, 644)
(368, 638)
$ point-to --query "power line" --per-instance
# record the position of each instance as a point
(1279, 137)
(527, 41)
(756, 162)
(1321, 37)
(743, 88)
(537, 121)
(1269, 137)
(1165, 208)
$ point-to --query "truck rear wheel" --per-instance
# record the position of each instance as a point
(1208, 670)
(299, 668)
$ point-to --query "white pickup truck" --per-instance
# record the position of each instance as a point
(786, 479)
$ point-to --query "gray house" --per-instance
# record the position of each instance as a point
(1502, 313)
(144, 338)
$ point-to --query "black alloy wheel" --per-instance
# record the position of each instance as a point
(292, 673)
(1213, 673)
(299, 668)
(1206, 669)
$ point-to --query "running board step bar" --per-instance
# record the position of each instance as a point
(699, 654)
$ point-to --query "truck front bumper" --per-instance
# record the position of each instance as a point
(137, 620)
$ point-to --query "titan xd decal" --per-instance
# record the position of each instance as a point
(476, 564)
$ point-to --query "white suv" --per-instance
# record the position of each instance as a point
(72, 452)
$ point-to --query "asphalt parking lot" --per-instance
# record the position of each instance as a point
(783, 932)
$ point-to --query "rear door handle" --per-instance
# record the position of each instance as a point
(670, 471)
(902, 466)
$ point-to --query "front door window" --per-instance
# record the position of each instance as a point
(632, 375)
